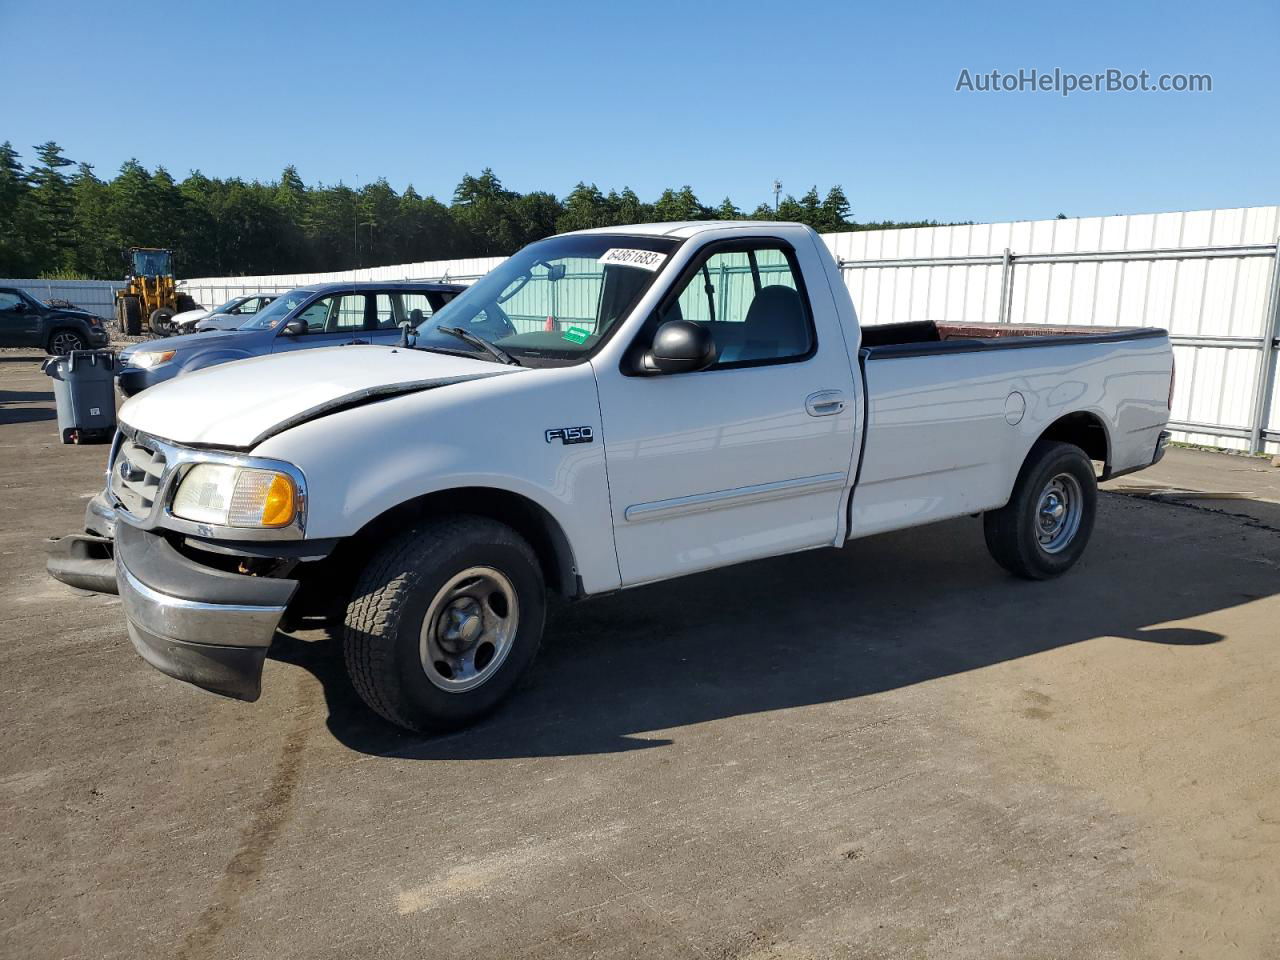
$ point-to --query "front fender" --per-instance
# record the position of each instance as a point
(490, 433)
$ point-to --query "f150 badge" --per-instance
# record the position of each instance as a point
(571, 434)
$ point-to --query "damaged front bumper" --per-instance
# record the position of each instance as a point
(87, 560)
(205, 626)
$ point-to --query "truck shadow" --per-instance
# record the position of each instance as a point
(621, 672)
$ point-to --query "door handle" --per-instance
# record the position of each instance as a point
(824, 403)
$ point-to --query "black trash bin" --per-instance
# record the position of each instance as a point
(84, 391)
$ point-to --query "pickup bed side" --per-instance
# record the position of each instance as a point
(952, 420)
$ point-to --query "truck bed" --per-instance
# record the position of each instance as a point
(923, 338)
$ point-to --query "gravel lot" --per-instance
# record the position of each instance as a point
(892, 750)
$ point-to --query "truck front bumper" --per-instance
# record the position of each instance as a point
(87, 560)
(196, 623)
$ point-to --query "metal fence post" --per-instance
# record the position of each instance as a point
(1267, 360)
(1006, 287)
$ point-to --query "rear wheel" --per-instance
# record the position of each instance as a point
(1045, 527)
(130, 316)
(161, 322)
(443, 622)
(62, 342)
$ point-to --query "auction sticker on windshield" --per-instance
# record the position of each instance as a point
(644, 259)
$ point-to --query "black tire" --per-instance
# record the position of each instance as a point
(63, 340)
(131, 316)
(161, 322)
(384, 641)
(187, 302)
(1025, 536)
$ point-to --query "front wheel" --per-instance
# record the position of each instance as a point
(1045, 527)
(443, 622)
(64, 341)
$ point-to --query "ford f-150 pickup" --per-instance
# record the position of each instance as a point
(604, 409)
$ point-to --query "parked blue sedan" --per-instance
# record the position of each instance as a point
(326, 315)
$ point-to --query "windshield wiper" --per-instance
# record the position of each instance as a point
(478, 341)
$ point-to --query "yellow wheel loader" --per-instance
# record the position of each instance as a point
(150, 293)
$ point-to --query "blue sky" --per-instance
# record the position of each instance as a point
(724, 97)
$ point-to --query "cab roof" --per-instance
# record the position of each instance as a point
(683, 229)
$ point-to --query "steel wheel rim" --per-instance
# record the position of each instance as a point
(64, 343)
(1059, 512)
(469, 629)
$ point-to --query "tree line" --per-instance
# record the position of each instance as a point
(59, 219)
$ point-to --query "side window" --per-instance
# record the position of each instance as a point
(752, 304)
(349, 314)
(384, 313)
(317, 315)
(249, 306)
(9, 300)
(418, 302)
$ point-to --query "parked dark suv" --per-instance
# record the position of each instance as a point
(28, 322)
(325, 315)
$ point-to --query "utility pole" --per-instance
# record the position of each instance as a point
(777, 189)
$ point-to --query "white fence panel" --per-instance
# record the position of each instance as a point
(1217, 301)
(96, 296)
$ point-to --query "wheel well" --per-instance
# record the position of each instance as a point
(523, 515)
(1087, 432)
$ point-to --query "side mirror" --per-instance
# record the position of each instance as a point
(295, 328)
(680, 346)
(408, 333)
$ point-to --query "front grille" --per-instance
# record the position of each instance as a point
(135, 476)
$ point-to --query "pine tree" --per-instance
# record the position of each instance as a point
(728, 210)
(53, 231)
(835, 211)
(95, 252)
(16, 257)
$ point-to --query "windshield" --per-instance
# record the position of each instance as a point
(233, 302)
(152, 263)
(557, 299)
(271, 315)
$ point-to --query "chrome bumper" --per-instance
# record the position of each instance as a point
(204, 626)
(193, 621)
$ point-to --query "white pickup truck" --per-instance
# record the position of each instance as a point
(605, 409)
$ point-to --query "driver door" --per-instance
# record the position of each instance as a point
(332, 321)
(19, 321)
(751, 456)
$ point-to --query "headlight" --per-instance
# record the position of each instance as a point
(232, 496)
(150, 358)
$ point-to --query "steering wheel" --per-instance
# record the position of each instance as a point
(496, 317)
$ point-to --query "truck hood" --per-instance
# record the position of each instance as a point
(240, 404)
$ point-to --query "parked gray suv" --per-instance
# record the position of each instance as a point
(326, 315)
(28, 322)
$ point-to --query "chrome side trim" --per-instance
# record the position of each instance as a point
(172, 618)
(736, 497)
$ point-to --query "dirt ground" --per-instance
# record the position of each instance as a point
(891, 750)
